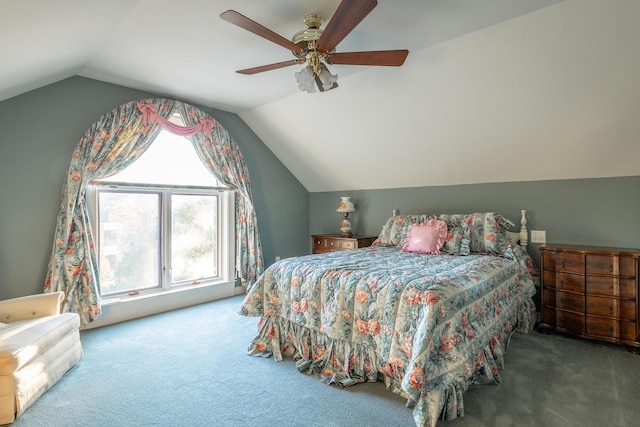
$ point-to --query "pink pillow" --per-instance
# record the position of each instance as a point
(426, 238)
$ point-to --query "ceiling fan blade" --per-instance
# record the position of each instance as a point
(393, 58)
(270, 67)
(259, 30)
(344, 20)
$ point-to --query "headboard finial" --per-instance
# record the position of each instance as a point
(524, 233)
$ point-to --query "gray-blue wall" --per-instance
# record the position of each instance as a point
(40, 129)
(38, 132)
(603, 211)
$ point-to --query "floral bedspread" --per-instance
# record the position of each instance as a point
(428, 325)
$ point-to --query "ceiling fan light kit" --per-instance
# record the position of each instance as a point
(316, 47)
(316, 71)
(307, 82)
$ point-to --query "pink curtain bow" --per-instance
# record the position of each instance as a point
(148, 112)
(150, 115)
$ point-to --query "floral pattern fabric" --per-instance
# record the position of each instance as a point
(113, 142)
(395, 230)
(487, 231)
(458, 238)
(221, 156)
(429, 324)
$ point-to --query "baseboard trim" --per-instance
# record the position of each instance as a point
(116, 311)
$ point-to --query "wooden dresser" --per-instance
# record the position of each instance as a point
(591, 292)
(322, 243)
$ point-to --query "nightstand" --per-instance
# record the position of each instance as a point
(322, 243)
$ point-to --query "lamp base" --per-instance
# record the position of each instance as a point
(345, 226)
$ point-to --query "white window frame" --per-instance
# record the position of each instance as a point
(226, 233)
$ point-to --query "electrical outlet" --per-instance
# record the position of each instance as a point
(538, 236)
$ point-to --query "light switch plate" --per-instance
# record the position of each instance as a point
(538, 236)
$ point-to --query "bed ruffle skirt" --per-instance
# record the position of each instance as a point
(332, 360)
(346, 363)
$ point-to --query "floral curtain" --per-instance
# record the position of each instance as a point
(112, 143)
(222, 156)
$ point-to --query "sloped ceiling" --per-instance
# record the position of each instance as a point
(491, 91)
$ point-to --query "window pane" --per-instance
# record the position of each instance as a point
(170, 160)
(129, 241)
(194, 237)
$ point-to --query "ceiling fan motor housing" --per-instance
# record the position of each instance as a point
(307, 38)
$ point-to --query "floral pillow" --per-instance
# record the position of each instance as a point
(457, 240)
(394, 232)
(487, 231)
(426, 238)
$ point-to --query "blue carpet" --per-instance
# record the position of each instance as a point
(189, 368)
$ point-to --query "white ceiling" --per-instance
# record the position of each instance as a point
(184, 50)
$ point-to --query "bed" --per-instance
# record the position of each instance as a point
(427, 323)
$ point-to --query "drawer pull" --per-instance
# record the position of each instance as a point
(611, 289)
(611, 268)
(611, 310)
(561, 264)
(561, 283)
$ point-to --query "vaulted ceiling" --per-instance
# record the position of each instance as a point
(491, 91)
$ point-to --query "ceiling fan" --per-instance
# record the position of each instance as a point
(316, 47)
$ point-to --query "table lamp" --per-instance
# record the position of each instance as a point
(345, 206)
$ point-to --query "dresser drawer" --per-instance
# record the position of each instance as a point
(569, 322)
(611, 265)
(602, 264)
(564, 261)
(332, 243)
(326, 245)
(320, 245)
(549, 297)
(564, 281)
(348, 244)
(611, 328)
(611, 307)
(628, 267)
(629, 331)
(569, 301)
(611, 286)
(603, 327)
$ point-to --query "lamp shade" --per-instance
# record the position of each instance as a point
(306, 80)
(326, 78)
(345, 205)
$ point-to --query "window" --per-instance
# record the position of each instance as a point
(162, 223)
